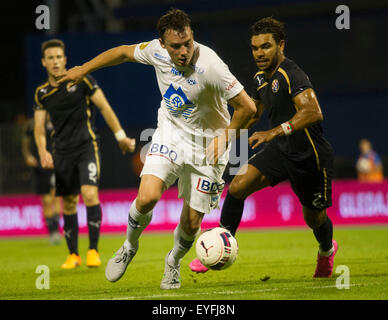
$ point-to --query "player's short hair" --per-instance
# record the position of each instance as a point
(52, 43)
(174, 19)
(269, 25)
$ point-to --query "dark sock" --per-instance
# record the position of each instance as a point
(94, 223)
(70, 228)
(231, 213)
(52, 223)
(324, 235)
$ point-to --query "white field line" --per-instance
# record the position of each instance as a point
(228, 292)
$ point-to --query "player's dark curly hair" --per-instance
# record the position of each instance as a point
(52, 43)
(269, 25)
(174, 19)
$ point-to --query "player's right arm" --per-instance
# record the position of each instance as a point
(46, 160)
(29, 159)
(111, 57)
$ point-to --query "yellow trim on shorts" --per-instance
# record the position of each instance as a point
(325, 183)
(312, 143)
(315, 150)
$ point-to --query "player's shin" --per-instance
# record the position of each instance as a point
(94, 223)
(52, 223)
(182, 244)
(231, 213)
(70, 229)
(137, 222)
(324, 236)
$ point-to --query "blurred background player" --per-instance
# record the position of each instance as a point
(44, 179)
(369, 166)
(294, 148)
(76, 155)
(196, 86)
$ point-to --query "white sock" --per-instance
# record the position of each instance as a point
(326, 253)
(137, 222)
(182, 244)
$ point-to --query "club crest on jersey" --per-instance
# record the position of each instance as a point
(177, 102)
(275, 86)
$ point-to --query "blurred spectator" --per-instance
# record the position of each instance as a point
(369, 166)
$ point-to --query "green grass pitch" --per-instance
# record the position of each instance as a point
(272, 264)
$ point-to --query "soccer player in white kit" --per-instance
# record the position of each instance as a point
(196, 86)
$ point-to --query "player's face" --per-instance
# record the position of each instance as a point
(266, 52)
(179, 45)
(54, 61)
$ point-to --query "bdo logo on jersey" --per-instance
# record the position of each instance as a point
(275, 86)
(177, 102)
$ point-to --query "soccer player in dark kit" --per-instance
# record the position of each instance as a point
(294, 148)
(44, 179)
(76, 155)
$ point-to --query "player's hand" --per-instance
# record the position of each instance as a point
(46, 160)
(31, 161)
(74, 75)
(216, 149)
(260, 137)
(127, 145)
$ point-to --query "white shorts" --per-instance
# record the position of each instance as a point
(172, 156)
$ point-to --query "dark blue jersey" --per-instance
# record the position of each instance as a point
(71, 113)
(277, 95)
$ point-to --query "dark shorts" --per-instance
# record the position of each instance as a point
(76, 169)
(310, 178)
(45, 180)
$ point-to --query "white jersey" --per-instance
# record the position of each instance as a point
(194, 98)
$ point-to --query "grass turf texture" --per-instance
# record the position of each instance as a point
(286, 257)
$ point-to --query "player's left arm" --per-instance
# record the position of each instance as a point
(101, 102)
(308, 113)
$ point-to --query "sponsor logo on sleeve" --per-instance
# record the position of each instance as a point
(231, 86)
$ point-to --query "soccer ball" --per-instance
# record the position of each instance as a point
(216, 248)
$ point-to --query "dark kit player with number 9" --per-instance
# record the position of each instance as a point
(76, 155)
(294, 148)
